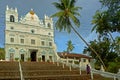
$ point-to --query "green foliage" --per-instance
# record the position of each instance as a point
(105, 22)
(67, 14)
(113, 67)
(70, 61)
(48, 61)
(16, 59)
(100, 21)
(70, 46)
(76, 62)
(113, 10)
(2, 53)
(39, 59)
(97, 66)
(117, 45)
(29, 59)
(107, 54)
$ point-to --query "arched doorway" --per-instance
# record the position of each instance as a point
(11, 54)
(22, 54)
(22, 57)
(33, 55)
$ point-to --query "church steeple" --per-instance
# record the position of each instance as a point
(11, 14)
(48, 22)
(7, 8)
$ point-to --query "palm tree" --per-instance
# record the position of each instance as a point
(70, 46)
(101, 24)
(67, 15)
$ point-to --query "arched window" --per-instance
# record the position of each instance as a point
(32, 31)
(12, 19)
(49, 25)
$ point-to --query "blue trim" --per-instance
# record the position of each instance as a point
(12, 50)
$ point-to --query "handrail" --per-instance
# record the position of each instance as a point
(21, 74)
(105, 74)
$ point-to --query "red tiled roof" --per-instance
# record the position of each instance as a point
(72, 55)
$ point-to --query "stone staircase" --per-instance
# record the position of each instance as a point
(42, 71)
(50, 71)
(9, 70)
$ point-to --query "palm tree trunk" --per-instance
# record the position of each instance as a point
(88, 46)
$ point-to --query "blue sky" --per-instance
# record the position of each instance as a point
(42, 7)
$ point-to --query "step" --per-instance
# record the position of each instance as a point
(49, 72)
(58, 77)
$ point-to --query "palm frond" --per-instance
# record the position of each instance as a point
(58, 14)
(76, 8)
(59, 6)
(72, 3)
(69, 25)
(66, 3)
(74, 19)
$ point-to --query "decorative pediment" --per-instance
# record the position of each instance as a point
(11, 50)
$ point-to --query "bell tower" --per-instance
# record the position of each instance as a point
(11, 14)
(48, 22)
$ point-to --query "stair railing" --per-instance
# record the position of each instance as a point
(65, 61)
(21, 73)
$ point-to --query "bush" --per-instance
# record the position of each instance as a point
(97, 66)
(2, 53)
(39, 59)
(16, 59)
(70, 61)
(48, 61)
(76, 62)
(29, 59)
(113, 67)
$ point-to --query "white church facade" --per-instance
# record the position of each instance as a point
(29, 38)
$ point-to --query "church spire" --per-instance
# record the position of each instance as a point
(7, 8)
(15, 9)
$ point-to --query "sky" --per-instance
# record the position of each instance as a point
(42, 7)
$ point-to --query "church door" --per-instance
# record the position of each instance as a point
(22, 57)
(33, 56)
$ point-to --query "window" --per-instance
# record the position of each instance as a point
(49, 33)
(12, 19)
(32, 41)
(50, 43)
(32, 31)
(21, 40)
(84, 60)
(11, 27)
(49, 25)
(11, 39)
(42, 43)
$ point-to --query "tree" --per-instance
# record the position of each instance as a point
(113, 9)
(107, 21)
(101, 24)
(106, 54)
(67, 15)
(2, 53)
(70, 46)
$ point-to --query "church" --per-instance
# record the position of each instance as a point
(32, 39)
(29, 38)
